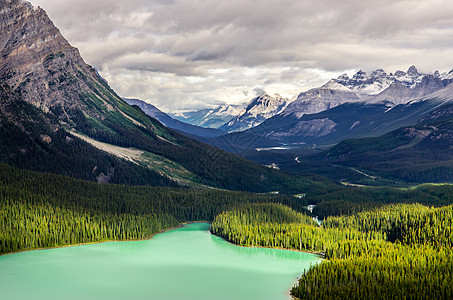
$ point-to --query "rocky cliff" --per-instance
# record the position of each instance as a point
(38, 62)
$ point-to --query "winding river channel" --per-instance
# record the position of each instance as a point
(185, 263)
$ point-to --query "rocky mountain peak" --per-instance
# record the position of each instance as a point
(257, 111)
(412, 71)
(400, 73)
(378, 73)
(359, 76)
(39, 62)
(343, 78)
(364, 84)
(447, 76)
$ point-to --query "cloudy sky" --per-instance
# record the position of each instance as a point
(189, 54)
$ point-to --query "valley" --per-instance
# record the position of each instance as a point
(217, 200)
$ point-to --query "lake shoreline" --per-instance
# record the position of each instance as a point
(319, 254)
(106, 241)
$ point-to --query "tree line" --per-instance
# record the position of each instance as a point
(46, 210)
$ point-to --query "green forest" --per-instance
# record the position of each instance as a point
(39, 210)
(398, 251)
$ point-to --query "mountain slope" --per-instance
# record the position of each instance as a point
(41, 68)
(177, 125)
(346, 121)
(418, 153)
(31, 139)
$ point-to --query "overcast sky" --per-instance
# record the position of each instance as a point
(189, 54)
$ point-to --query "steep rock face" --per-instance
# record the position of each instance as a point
(38, 61)
(39, 64)
(399, 93)
(257, 111)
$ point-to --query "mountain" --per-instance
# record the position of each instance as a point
(319, 99)
(257, 111)
(418, 153)
(56, 107)
(398, 93)
(177, 125)
(210, 118)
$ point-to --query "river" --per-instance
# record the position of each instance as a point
(185, 263)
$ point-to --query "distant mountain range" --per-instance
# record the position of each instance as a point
(384, 108)
(234, 118)
(361, 106)
(182, 127)
(376, 87)
(210, 118)
(377, 106)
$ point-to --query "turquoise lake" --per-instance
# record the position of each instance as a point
(185, 263)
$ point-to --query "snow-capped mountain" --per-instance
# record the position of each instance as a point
(402, 92)
(364, 84)
(258, 110)
(316, 100)
(211, 118)
(376, 87)
(377, 81)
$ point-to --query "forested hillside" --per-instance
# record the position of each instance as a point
(398, 251)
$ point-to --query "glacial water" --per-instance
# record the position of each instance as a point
(186, 263)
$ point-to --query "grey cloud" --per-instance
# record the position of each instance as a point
(245, 32)
(159, 63)
(278, 39)
(259, 91)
